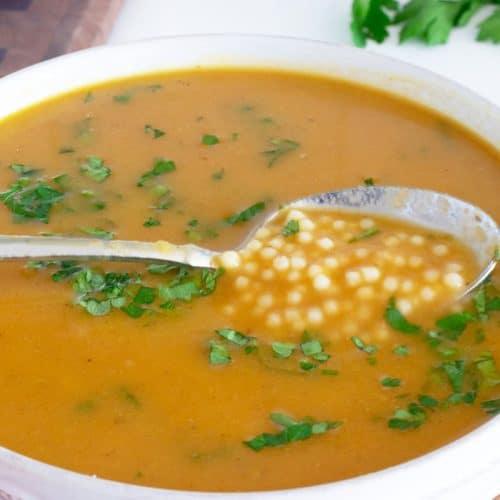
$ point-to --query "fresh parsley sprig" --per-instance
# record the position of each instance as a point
(430, 21)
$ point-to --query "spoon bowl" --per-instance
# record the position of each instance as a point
(435, 211)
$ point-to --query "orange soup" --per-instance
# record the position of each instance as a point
(332, 345)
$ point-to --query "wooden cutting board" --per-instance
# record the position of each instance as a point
(34, 30)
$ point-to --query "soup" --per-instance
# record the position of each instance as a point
(330, 347)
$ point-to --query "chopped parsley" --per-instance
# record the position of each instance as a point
(234, 336)
(218, 354)
(411, 418)
(397, 321)
(161, 166)
(369, 181)
(217, 176)
(283, 349)
(151, 222)
(210, 140)
(427, 401)
(491, 407)
(279, 148)
(291, 227)
(97, 232)
(367, 233)
(453, 326)
(390, 382)
(307, 365)
(94, 168)
(246, 214)
(358, 342)
(122, 98)
(155, 132)
(66, 150)
(30, 198)
(292, 431)
(401, 350)
(314, 349)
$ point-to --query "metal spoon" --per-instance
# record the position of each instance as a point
(435, 211)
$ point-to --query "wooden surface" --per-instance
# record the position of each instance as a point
(34, 30)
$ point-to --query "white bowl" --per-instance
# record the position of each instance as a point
(469, 468)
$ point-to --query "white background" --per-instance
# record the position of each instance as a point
(475, 65)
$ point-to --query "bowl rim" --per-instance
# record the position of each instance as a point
(91, 484)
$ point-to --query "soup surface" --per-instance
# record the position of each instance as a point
(327, 349)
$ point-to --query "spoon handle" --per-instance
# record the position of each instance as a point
(59, 248)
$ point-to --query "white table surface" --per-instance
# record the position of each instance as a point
(475, 65)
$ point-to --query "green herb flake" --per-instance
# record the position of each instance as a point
(97, 232)
(283, 349)
(246, 214)
(397, 321)
(151, 222)
(95, 169)
(390, 382)
(87, 406)
(218, 354)
(292, 431)
(455, 371)
(129, 397)
(219, 175)
(369, 181)
(122, 98)
(358, 342)
(279, 148)
(66, 150)
(161, 166)
(154, 132)
(401, 350)
(453, 326)
(370, 20)
(291, 227)
(209, 140)
(29, 198)
(329, 372)
(234, 336)
(411, 418)
(363, 235)
(427, 401)
(491, 407)
(307, 365)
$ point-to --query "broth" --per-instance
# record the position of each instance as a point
(171, 381)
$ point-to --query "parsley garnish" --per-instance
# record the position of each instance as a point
(66, 150)
(151, 222)
(160, 167)
(209, 140)
(247, 214)
(217, 176)
(219, 354)
(401, 350)
(369, 181)
(282, 349)
(291, 227)
(155, 132)
(29, 198)
(358, 342)
(396, 320)
(410, 418)
(427, 401)
(293, 431)
(234, 336)
(428, 20)
(390, 382)
(279, 148)
(491, 407)
(122, 99)
(95, 169)
(97, 232)
(367, 233)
